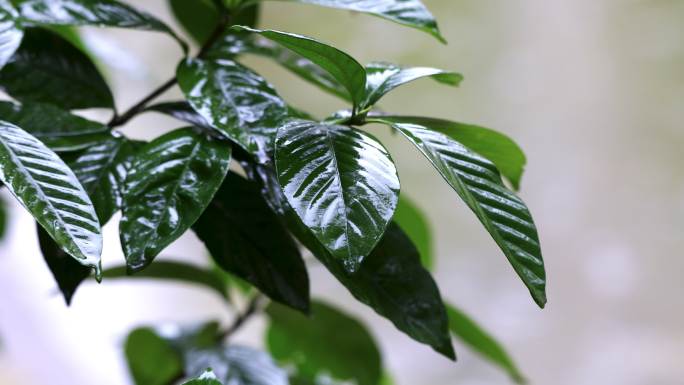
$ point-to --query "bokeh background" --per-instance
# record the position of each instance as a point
(592, 90)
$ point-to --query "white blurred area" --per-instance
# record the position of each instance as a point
(593, 92)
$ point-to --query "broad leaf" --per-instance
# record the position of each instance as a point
(417, 227)
(206, 378)
(246, 238)
(383, 78)
(411, 13)
(198, 17)
(152, 360)
(67, 272)
(341, 182)
(170, 182)
(236, 365)
(501, 150)
(182, 111)
(11, 31)
(49, 69)
(342, 67)
(328, 343)
(56, 128)
(175, 272)
(240, 104)
(482, 342)
(50, 191)
(478, 183)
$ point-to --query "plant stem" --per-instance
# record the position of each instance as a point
(252, 308)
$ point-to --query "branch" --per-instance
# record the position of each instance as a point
(252, 308)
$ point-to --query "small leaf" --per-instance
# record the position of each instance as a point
(343, 68)
(236, 365)
(11, 32)
(151, 359)
(478, 183)
(198, 17)
(50, 191)
(240, 104)
(416, 226)
(56, 128)
(180, 110)
(171, 181)
(341, 182)
(383, 78)
(246, 238)
(482, 342)
(206, 378)
(411, 13)
(328, 343)
(49, 69)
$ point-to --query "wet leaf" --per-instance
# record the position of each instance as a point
(236, 365)
(152, 360)
(182, 111)
(417, 227)
(11, 31)
(206, 378)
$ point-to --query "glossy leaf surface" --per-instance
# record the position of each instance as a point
(171, 181)
(501, 150)
(206, 378)
(47, 68)
(240, 104)
(151, 359)
(468, 331)
(341, 182)
(342, 67)
(327, 343)
(417, 227)
(236, 365)
(246, 238)
(384, 77)
(56, 128)
(50, 191)
(478, 183)
(11, 31)
(411, 13)
(182, 111)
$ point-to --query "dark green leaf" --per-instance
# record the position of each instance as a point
(411, 13)
(246, 238)
(482, 342)
(240, 104)
(11, 32)
(182, 111)
(198, 17)
(236, 365)
(478, 183)
(56, 128)
(206, 378)
(174, 271)
(328, 343)
(341, 182)
(3, 219)
(383, 78)
(416, 226)
(49, 69)
(67, 272)
(151, 359)
(495, 146)
(170, 182)
(343, 68)
(50, 191)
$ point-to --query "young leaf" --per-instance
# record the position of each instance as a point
(198, 17)
(416, 226)
(182, 111)
(411, 13)
(236, 365)
(47, 68)
(383, 78)
(206, 378)
(151, 359)
(343, 68)
(50, 191)
(240, 104)
(501, 150)
(341, 182)
(170, 182)
(246, 238)
(482, 342)
(56, 128)
(328, 343)
(11, 32)
(478, 183)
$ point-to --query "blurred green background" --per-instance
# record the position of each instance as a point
(593, 92)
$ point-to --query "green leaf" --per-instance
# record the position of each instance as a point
(478, 183)
(180, 110)
(416, 226)
(239, 103)
(501, 150)
(151, 359)
(383, 78)
(206, 378)
(49, 69)
(341, 182)
(56, 128)
(11, 31)
(3, 219)
(342, 67)
(328, 343)
(50, 191)
(411, 13)
(170, 182)
(102, 169)
(67, 272)
(236, 365)
(482, 342)
(246, 238)
(174, 271)
(198, 17)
